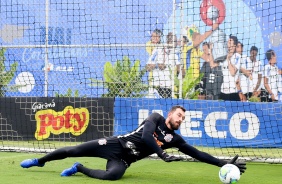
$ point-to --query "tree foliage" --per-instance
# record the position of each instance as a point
(69, 93)
(123, 79)
(189, 83)
(6, 75)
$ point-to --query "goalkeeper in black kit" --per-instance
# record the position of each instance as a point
(154, 135)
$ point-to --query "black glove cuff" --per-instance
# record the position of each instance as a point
(221, 163)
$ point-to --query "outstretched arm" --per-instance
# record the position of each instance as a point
(199, 38)
(207, 158)
(199, 155)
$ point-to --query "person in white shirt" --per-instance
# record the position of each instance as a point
(230, 69)
(156, 37)
(257, 72)
(243, 83)
(163, 62)
(272, 76)
(250, 80)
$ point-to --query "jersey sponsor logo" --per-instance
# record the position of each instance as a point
(168, 137)
(102, 142)
(70, 120)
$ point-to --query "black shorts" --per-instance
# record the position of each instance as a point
(107, 148)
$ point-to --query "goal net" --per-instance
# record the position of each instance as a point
(73, 71)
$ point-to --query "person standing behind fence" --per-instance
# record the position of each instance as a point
(251, 73)
(162, 63)
(151, 45)
(183, 45)
(230, 70)
(155, 40)
(257, 72)
(244, 83)
(272, 78)
(191, 53)
(213, 76)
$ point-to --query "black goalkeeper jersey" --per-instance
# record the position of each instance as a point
(153, 136)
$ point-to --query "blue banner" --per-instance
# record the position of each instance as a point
(209, 123)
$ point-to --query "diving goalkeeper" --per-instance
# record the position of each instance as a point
(154, 135)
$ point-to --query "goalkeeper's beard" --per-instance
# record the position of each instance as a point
(174, 126)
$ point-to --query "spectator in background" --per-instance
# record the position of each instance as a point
(155, 39)
(244, 81)
(213, 76)
(163, 63)
(184, 44)
(272, 78)
(257, 72)
(230, 70)
(150, 46)
(191, 54)
(251, 73)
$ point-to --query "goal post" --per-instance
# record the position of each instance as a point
(73, 71)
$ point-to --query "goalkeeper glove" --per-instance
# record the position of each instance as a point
(241, 165)
(169, 158)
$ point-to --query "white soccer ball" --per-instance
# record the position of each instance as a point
(229, 173)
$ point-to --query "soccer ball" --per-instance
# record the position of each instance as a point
(229, 173)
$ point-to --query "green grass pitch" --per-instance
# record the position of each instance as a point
(144, 171)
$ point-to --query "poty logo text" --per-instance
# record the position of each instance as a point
(70, 120)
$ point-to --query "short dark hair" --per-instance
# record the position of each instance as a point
(158, 31)
(185, 38)
(241, 44)
(234, 38)
(170, 37)
(173, 108)
(206, 43)
(254, 48)
(269, 54)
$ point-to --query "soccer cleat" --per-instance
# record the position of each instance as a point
(30, 163)
(70, 171)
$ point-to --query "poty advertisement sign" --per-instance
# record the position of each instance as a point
(53, 119)
(86, 22)
(209, 123)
